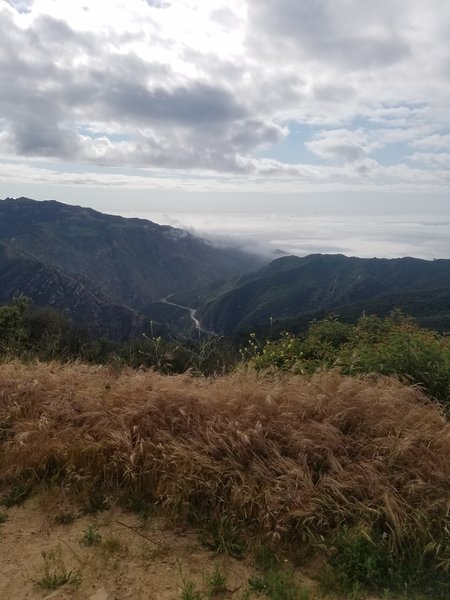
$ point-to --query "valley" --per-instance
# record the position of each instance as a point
(114, 276)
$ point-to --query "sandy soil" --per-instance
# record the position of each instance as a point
(148, 561)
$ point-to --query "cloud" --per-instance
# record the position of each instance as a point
(342, 144)
(349, 33)
(220, 88)
(22, 6)
(225, 18)
(433, 142)
(158, 3)
(433, 159)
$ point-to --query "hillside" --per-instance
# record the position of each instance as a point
(99, 268)
(290, 287)
(75, 296)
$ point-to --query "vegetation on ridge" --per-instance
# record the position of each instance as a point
(292, 288)
(102, 270)
(395, 345)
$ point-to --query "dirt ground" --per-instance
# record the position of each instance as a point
(111, 555)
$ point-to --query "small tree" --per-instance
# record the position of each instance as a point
(13, 331)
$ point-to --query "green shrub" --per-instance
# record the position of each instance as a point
(363, 559)
(395, 345)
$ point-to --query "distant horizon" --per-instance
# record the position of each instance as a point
(311, 231)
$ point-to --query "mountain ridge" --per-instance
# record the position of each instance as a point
(290, 287)
(117, 262)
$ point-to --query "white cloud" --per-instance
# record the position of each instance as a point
(433, 142)
(190, 87)
(343, 144)
(433, 159)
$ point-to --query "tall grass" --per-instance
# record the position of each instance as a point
(319, 463)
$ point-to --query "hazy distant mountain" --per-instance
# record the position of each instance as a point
(100, 267)
(291, 286)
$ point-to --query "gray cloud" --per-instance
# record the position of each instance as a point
(194, 125)
(325, 29)
(197, 104)
(35, 137)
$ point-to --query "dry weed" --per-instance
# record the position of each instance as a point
(290, 459)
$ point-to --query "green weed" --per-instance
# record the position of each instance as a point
(278, 584)
(65, 518)
(266, 559)
(189, 591)
(215, 583)
(364, 560)
(97, 502)
(91, 536)
(55, 573)
(111, 546)
(223, 537)
(17, 495)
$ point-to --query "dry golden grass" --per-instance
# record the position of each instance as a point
(290, 459)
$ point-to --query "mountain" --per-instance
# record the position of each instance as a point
(102, 270)
(290, 287)
(22, 274)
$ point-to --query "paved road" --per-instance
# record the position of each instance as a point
(192, 312)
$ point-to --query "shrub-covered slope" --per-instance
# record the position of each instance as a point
(291, 286)
(110, 259)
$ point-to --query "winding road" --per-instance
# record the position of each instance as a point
(192, 313)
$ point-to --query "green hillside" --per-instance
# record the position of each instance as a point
(291, 287)
(101, 268)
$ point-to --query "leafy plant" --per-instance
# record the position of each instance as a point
(395, 345)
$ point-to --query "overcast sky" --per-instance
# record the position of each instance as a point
(318, 124)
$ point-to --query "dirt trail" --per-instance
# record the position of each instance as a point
(121, 564)
(129, 559)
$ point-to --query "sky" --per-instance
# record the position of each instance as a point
(304, 125)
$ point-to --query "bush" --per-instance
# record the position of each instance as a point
(395, 345)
